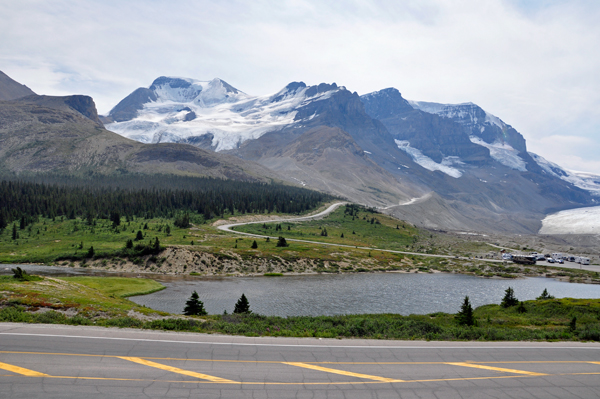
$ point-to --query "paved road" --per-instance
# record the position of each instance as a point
(228, 227)
(82, 362)
(320, 215)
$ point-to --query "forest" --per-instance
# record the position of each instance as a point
(24, 199)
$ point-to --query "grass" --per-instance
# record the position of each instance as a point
(90, 298)
(118, 286)
(100, 301)
(67, 241)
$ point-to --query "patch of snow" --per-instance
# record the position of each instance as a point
(503, 153)
(231, 117)
(430, 164)
(583, 180)
(573, 221)
(367, 152)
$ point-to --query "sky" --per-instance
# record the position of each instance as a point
(533, 63)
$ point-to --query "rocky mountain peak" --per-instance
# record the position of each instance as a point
(11, 90)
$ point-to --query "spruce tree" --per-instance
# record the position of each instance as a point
(254, 244)
(545, 295)
(194, 306)
(15, 235)
(242, 305)
(281, 242)
(139, 236)
(90, 253)
(509, 298)
(465, 317)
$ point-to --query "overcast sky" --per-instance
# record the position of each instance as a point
(535, 64)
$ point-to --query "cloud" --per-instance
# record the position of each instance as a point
(532, 63)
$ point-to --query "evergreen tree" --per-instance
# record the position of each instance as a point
(254, 244)
(115, 218)
(90, 253)
(156, 246)
(545, 295)
(509, 298)
(521, 308)
(573, 323)
(129, 244)
(342, 236)
(168, 230)
(281, 242)
(465, 317)
(194, 306)
(242, 305)
(139, 236)
(15, 235)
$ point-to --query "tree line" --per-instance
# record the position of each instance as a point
(23, 200)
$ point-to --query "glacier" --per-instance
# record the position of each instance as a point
(503, 153)
(418, 157)
(213, 109)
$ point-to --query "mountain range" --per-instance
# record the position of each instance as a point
(440, 166)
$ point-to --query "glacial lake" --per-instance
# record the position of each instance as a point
(326, 294)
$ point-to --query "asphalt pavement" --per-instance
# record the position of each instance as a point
(49, 361)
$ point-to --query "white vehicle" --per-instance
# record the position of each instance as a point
(557, 255)
(583, 260)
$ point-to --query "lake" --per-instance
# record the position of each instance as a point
(403, 293)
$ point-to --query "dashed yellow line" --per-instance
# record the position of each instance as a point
(177, 370)
(479, 366)
(342, 372)
(21, 370)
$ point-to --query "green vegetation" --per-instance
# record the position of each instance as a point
(363, 227)
(118, 287)
(65, 301)
(73, 300)
(194, 306)
(242, 306)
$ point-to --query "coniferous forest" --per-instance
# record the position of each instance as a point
(149, 197)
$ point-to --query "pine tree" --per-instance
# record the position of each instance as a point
(509, 298)
(129, 244)
(90, 253)
(545, 295)
(15, 235)
(281, 242)
(465, 317)
(242, 305)
(194, 306)
(254, 244)
(521, 308)
(139, 236)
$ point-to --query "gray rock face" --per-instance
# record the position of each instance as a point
(434, 136)
(83, 105)
(127, 108)
(11, 90)
(477, 122)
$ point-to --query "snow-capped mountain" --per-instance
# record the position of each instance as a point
(583, 180)
(469, 168)
(209, 114)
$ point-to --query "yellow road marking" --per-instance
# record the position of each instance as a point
(479, 366)
(341, 372)
(594, 362)
(177, 370)
(21, 370)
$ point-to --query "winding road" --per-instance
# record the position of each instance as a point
(320, 215)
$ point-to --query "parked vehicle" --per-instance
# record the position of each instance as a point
(560, 261)
(550, 260)
(582, 260)
(524, 259)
